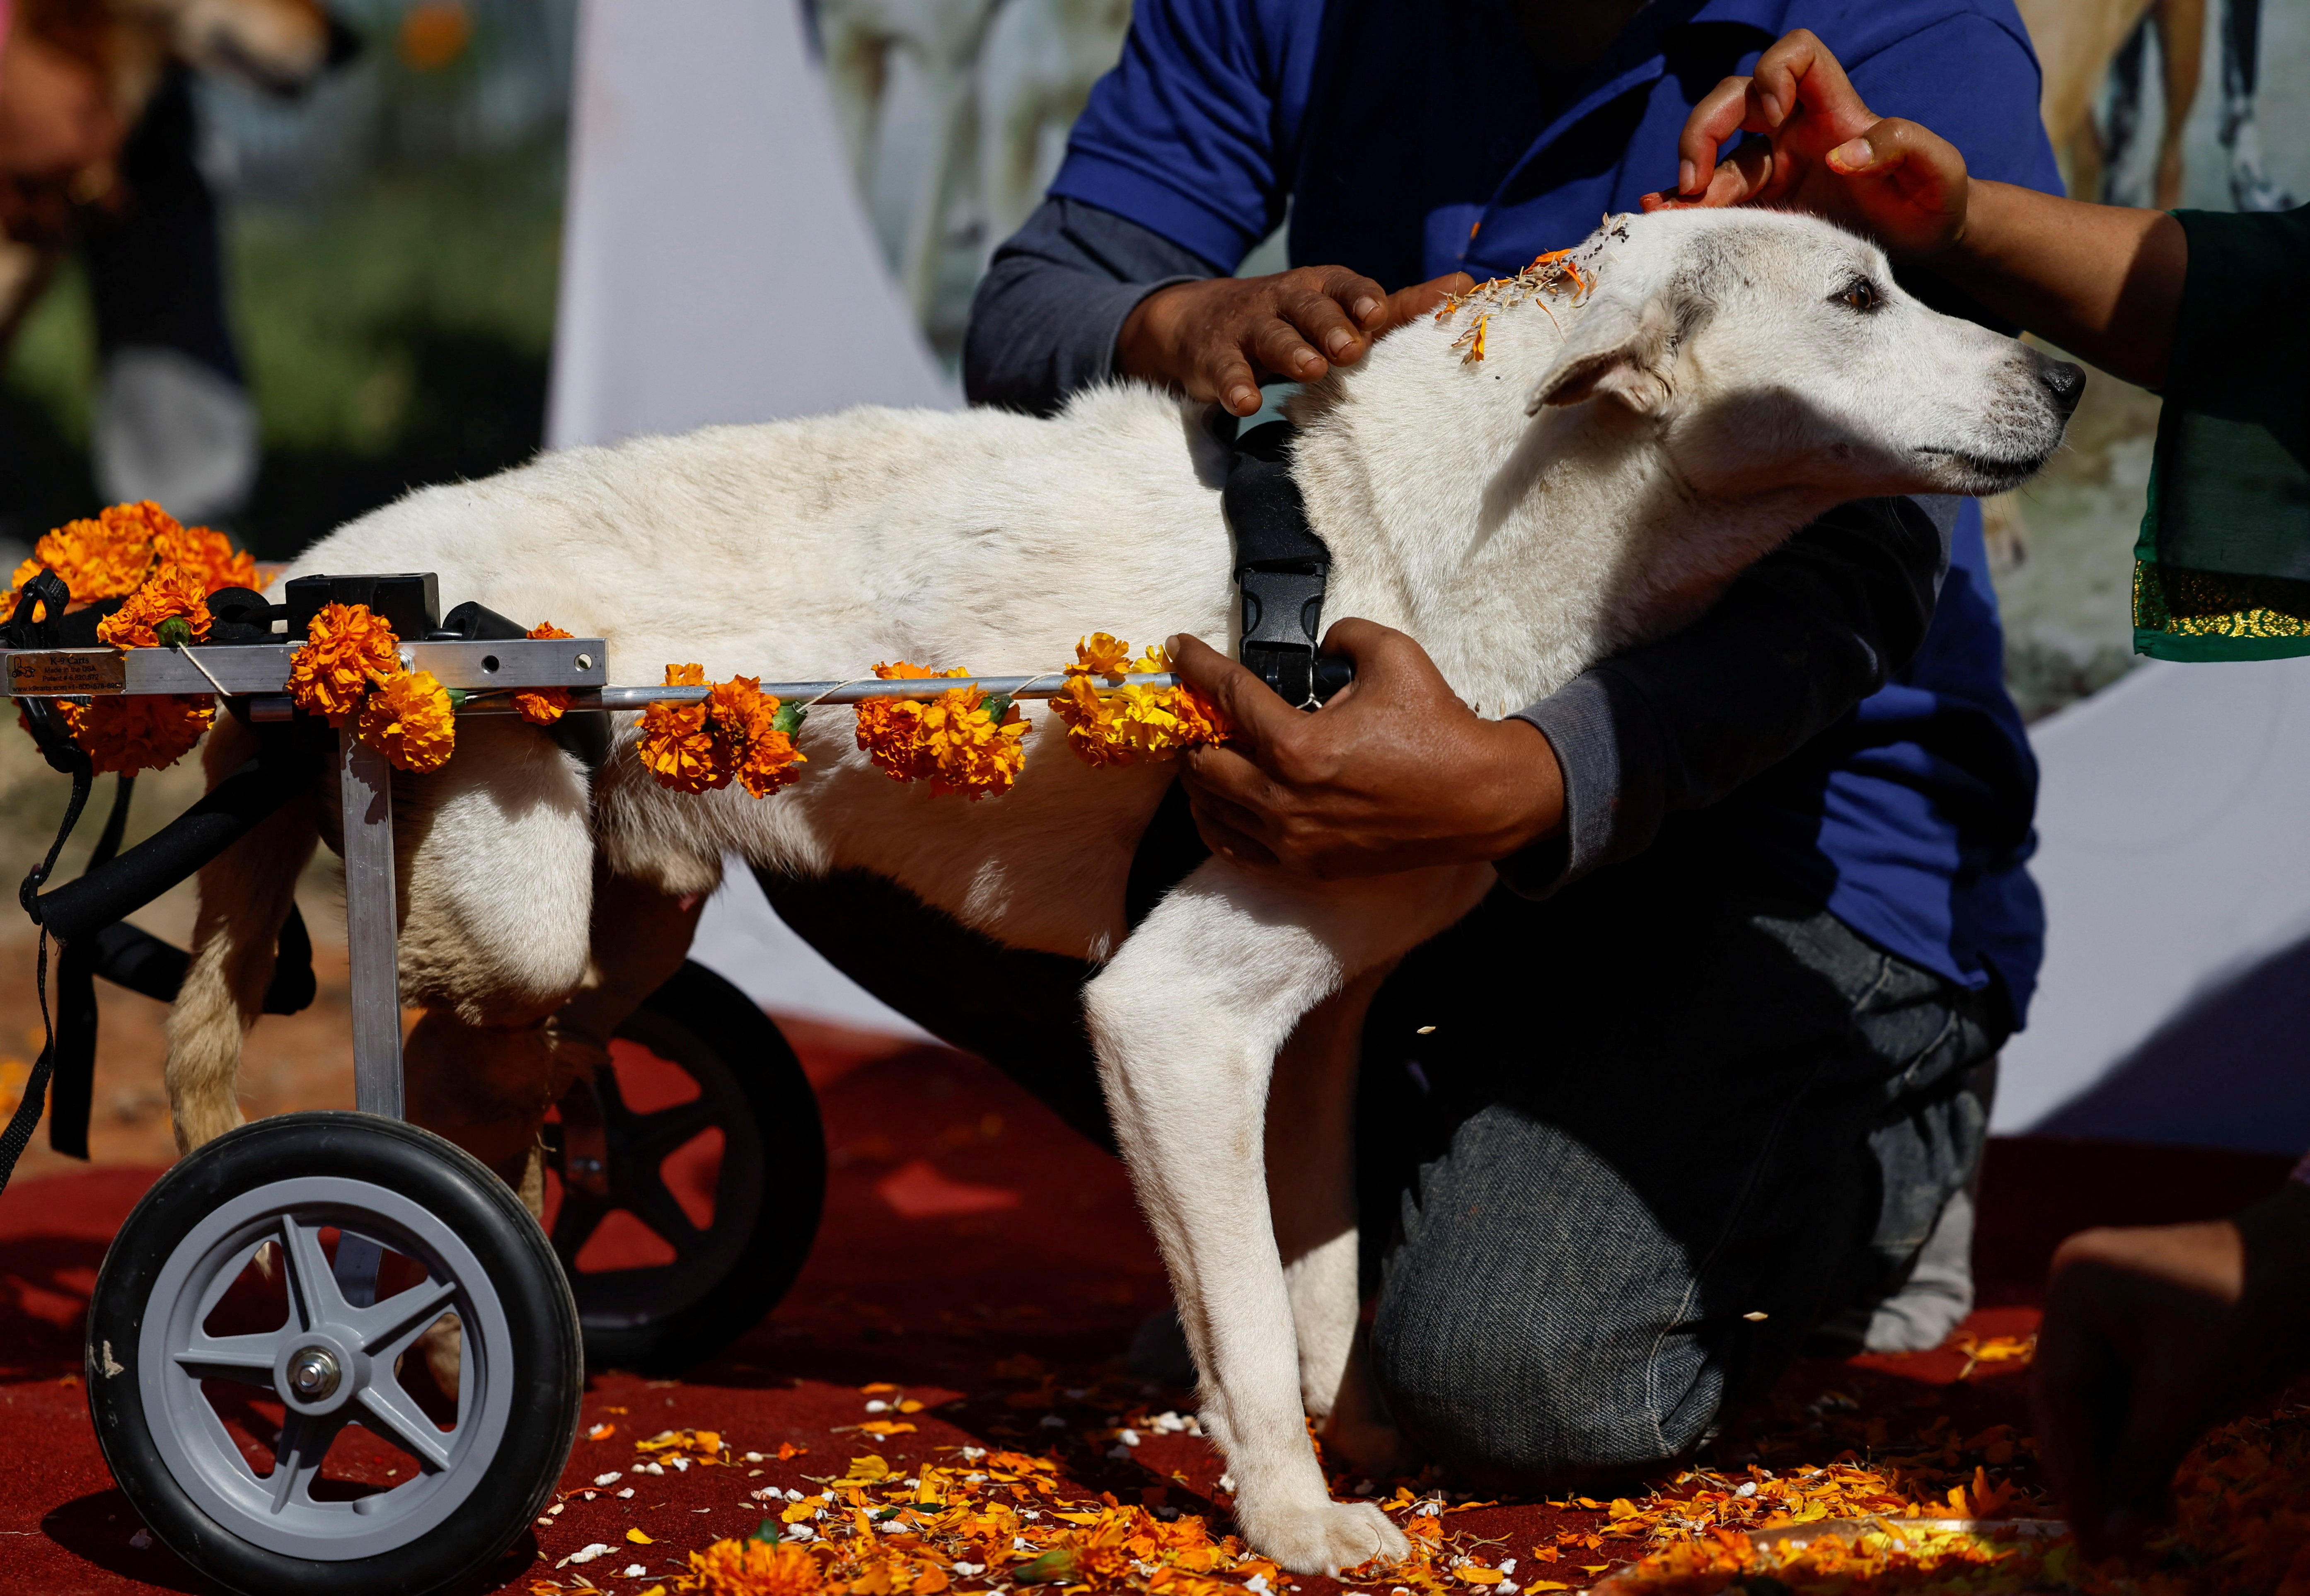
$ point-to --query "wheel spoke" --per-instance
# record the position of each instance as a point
(581, 1215)
(655, 1207)
(312, 1285)
(388, 1328)
(653, 1138)
(248, 1358)
(399, 1420)
(296, 1455)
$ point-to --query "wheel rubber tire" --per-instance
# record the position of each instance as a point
(547, 1374)
(715, 1026)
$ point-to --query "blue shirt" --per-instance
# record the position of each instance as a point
(1413, 140)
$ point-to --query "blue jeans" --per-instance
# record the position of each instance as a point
(1665, 1123)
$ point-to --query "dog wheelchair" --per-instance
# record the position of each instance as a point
(362, 1291)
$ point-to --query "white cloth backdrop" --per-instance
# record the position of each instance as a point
(717, 267)
(2175, 865)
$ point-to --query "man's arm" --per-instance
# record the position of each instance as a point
(1047, 315)
(1396, 773)
(1680, 724)
(1080, 295)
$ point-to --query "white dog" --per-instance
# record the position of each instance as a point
(1595, 478)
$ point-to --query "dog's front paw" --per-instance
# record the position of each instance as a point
(1326, 1539)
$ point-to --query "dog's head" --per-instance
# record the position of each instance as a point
(1769, 350)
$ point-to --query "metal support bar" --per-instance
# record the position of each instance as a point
(371, 921)
(1050, 684)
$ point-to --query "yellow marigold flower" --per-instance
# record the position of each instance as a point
(753, 1568)
(1101, 654)
(133, 732)
(347, 651)
(207, 553)
(975, 743)
(678, 747)
(1123, 726)
(542, 705)
(409, 720)
(173, 593)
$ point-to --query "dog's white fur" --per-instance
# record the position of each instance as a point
(1595, 480)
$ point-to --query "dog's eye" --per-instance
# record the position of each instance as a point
(1860, 294)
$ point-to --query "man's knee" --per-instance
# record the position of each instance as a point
(1516, 1397)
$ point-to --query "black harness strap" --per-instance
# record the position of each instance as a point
(71, 1094)
(1281, 568)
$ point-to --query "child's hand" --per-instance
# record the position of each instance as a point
(1823, 151)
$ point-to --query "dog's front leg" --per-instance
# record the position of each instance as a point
(1187, 1020)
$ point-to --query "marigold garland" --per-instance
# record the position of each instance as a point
(347, 651)
(409, 719)
(965, 741)
(1128, 724)
(132, 732)
(736, 733)
(542, 705)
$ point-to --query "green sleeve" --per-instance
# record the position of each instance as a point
(2222, 570)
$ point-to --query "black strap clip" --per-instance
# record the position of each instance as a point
(1282, 569)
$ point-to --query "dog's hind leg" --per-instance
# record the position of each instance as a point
(641, 935)
(246, 894)
(495, 857)
(1187, 1020)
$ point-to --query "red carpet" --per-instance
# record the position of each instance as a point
(971, 1243)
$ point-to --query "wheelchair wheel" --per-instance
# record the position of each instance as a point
(332, 1351)
(686, 1180)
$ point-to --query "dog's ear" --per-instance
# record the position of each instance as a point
(1616, 352)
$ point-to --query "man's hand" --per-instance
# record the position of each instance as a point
(1823, 151)
(1394, 772)
(1210, 340)
(2152, 1337)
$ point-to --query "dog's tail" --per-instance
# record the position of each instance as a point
(246, 894)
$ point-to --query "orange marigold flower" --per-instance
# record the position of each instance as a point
(542, 705)
(173, 593)
(98, 560)
(678, 747)
(765, 754)
(891, 729)
(753, 1568)
(410, 721)
(207, 553)
(347, 651)
(961, 742)
(133, 732)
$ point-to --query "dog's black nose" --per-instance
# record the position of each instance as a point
(2065, 381)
